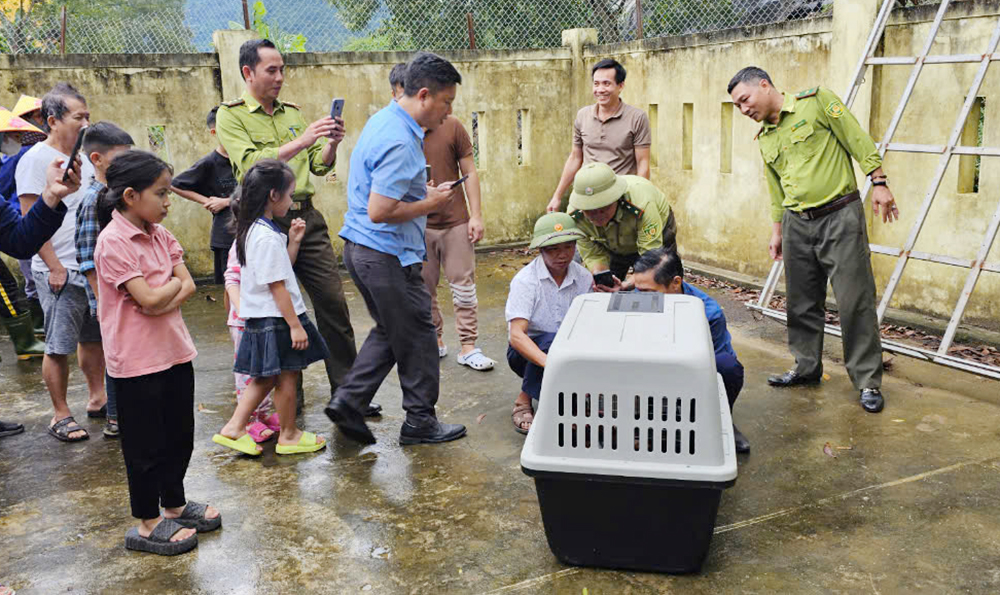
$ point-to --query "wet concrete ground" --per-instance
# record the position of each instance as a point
(913, 506)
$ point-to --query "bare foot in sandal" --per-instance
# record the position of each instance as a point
(522, 415)
(146, 527)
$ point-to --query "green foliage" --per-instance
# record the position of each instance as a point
(678, 17)
(97, 26)
(285, 41)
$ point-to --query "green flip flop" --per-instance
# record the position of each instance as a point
(307, 443)
(243, 444)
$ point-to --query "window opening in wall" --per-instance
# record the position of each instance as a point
(157, 136)
(726, 138)
(523, 137)
(478, 139)
(972, 136)
(687, 146)
(654, 120)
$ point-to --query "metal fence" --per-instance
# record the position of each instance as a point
(186, 26)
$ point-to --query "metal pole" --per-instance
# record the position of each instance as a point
(246, 15)
(62, 32)
(472, 30)
(638, 19)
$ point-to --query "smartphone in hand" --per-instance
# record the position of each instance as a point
(337, 108)
(458, 181)
(73, 154)
(605, 278)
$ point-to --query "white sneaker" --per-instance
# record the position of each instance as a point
(476, 360)
(442, 350)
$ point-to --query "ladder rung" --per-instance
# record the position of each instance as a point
(906, 60)
(964, 263)
(938, 149)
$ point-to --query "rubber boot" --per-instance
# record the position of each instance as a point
(37, 317)
(23, 335)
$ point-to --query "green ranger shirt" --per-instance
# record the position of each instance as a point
(807, 155)
(250, 134)
(637, 225)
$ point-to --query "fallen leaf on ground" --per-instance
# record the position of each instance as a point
(203, 409)
(826, 376)
(209, 298)
(481, 417)
(381, 553)
(899, 421)
(845, 448)
(828, 449)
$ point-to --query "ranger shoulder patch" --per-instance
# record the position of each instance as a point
(233, 103)
(835, 109)
(807, 93)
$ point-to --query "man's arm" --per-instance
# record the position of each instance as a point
(595, 257)
(523, 344)
(467, 165)
(57, 272)
(323, 154)
(642, 161)
(573, 163)
(190, 195)
(382, 209)
(243, 153)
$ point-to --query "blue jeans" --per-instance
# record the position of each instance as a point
(731, 370)
(530, 373)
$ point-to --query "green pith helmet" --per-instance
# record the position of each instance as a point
(596, 186)
(555, 228)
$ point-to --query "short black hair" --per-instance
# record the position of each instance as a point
(210, 120)
(610, 63)
(430, 71)
(397, 76)
(104, 136)
(748, 75)
(665, 264)
(54, 102)
(250, 52)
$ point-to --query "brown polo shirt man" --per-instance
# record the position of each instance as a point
(612, 141)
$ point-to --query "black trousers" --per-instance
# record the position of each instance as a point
(316, 268)
(404, 334)
(156, 417)
(12, 298)
(220, 257)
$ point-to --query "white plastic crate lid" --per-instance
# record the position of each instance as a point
(631, 390)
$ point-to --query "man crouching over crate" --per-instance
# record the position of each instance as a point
(540, 295)
(661, 270)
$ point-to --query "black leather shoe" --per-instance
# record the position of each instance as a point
(349, 421)
(872, 400)
(373, 410)
(742, 444)
(434, 433)
(791, 378)
(10, 428)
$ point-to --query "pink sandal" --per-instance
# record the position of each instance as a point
(272, 422)
(256, 431)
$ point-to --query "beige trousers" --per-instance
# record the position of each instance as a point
(452, 249)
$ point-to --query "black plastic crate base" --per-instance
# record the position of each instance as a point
(628, 523)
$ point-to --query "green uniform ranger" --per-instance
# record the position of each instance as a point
(621, 216)
(250, 134)
(807, 142)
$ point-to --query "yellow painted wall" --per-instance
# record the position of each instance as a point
(722, 216)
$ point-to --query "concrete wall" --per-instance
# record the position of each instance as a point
(722, 215)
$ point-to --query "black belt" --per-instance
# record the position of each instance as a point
(301, 205)
(831, 207)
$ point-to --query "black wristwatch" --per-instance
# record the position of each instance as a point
(880, 183)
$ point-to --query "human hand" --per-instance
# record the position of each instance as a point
(616, 286)
(216, 204)
(440, 195)
(554, 204)
(320, 128)
(885, 204)
(774, 246)
(296, 230)
(57, 278)
(56, 188)
(476, 229)
(338, 132)
(300, 340)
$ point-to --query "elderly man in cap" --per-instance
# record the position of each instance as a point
(540, 295)
(621, 218)
(14, 310)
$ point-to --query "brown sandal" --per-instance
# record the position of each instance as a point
(522, 414)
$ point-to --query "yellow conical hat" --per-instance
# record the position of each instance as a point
(11, 123)
(26, 104)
